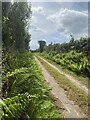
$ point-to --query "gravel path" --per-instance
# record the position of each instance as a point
(70, 109)
(71, 78)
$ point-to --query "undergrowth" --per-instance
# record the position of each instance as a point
(24, 92)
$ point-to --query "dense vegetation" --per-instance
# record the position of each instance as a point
(24, 93)
(79, 45)
(73, 55)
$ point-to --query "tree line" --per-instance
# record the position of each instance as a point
(73, 55)
(80, 45)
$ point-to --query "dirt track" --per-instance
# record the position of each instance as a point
(71, 78)
(70, 109)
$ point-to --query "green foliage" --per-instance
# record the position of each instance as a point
(14, 28)
(17, 107)
(79, 45)
(74, 61)
(27, 95)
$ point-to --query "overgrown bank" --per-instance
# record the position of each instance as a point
(25, 96)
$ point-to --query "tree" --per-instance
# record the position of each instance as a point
(42, 44)
(15, 35)
(5, 26)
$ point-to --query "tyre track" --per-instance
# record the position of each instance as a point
(71, 78)
(71, 110)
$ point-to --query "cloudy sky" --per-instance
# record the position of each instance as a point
(56, 21)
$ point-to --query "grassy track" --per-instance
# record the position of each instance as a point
(71, 90)
(84, 80)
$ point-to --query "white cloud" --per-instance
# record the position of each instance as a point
(34, 44)
(37, 29)
(52, 22)
(33, 20)
(70, 21)
(38, 10)
(86, 12)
